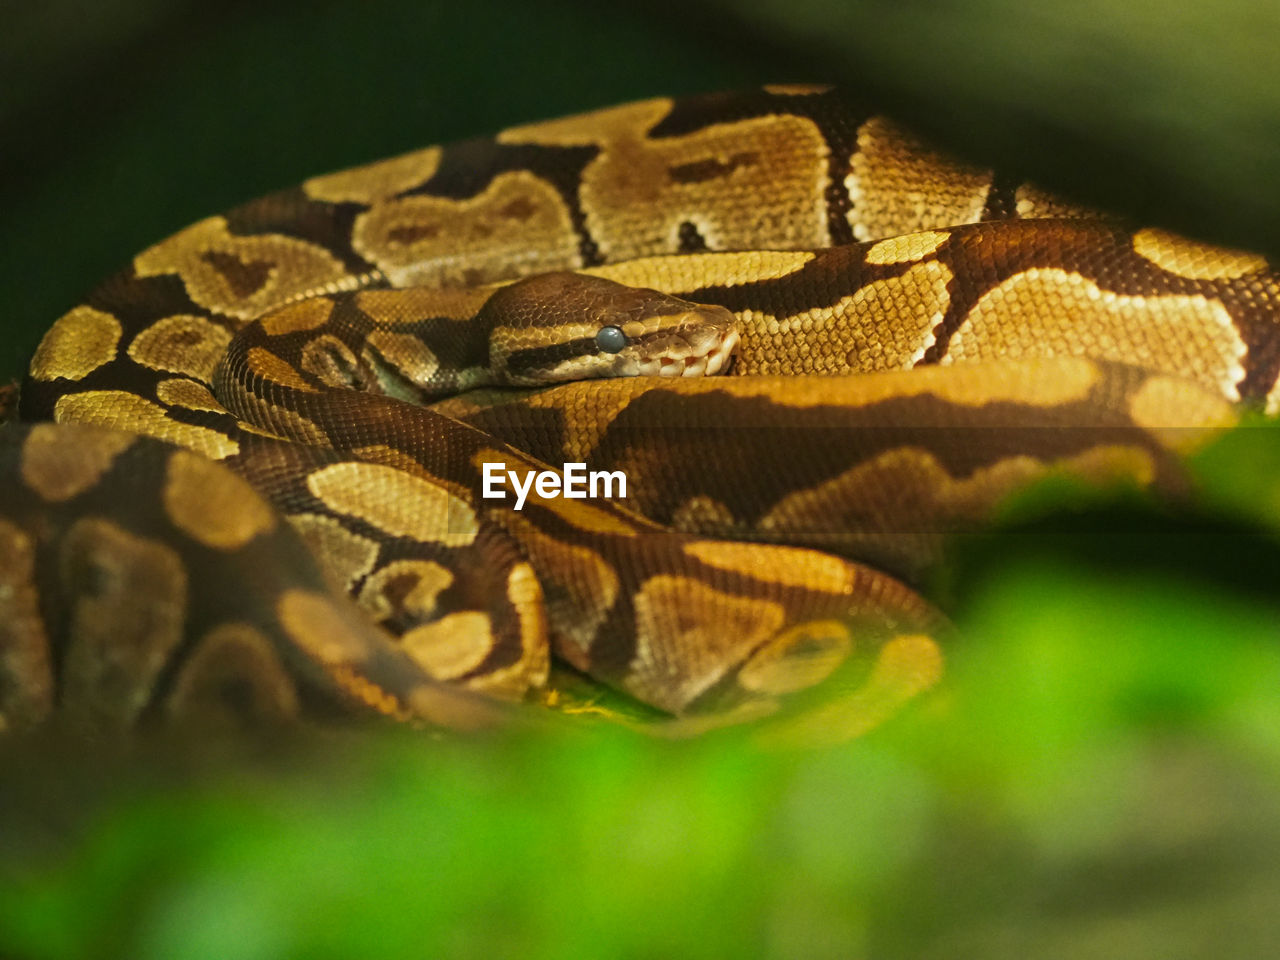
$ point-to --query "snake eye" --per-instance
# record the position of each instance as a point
(611, 339)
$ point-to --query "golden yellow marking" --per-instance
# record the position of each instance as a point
(395, 502)
(1041, 383)
(899, 504)
(126, 610)
(60, 462)
(906, 249)
(451, 646)
(394, 307)
(298, 317)
(579, 587)
(377, 181)
(78, 343)
(266, 364)
(207, 501)
(188, 394)
(586, 415)
(534, 661)
(638, 192)
(579, 513)
(391, 457)
(122, 410)
(1049, 312)
(248, 427)
(1181, 413)
(689, 635)
(26, 674)
(233, 659)
(260, 415)
(769, 563)
(407, 353)
(1195, 261)
(524, 593)
(517, 225)
(908, 665)
(886, 324)
(692, 271)
(416, 585)
(1031, 202)
(1272, 406)
(361, 688)
(795, 89)
(319, 627)
(898, 185)
(242, 276)
(798, 658)
(346, 556)
(584, 129)
(183, 343)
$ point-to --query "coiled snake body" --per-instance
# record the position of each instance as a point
(774, 518)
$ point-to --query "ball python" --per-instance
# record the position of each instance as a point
(257, 476)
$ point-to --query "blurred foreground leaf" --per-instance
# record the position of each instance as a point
(1102, 763)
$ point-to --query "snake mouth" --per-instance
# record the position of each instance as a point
(708, 362)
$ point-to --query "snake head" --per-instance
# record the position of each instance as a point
(569, 326)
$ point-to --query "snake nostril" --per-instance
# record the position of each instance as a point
(611, 339)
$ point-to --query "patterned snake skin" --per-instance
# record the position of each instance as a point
(257, 478)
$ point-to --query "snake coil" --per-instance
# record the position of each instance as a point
(257, 477)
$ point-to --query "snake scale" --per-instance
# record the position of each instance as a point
(255, 477)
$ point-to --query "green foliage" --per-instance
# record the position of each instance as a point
(1099, 768)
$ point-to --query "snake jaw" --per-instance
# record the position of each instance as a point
(720, 357)
(706, 364)
(696, 344)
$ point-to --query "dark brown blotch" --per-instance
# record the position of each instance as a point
(521, 208)
(244, 277)
(411, 234)
(712, 168)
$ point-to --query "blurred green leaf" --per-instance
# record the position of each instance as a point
(1075, 703)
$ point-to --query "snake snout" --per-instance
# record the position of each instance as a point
(695, 343)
